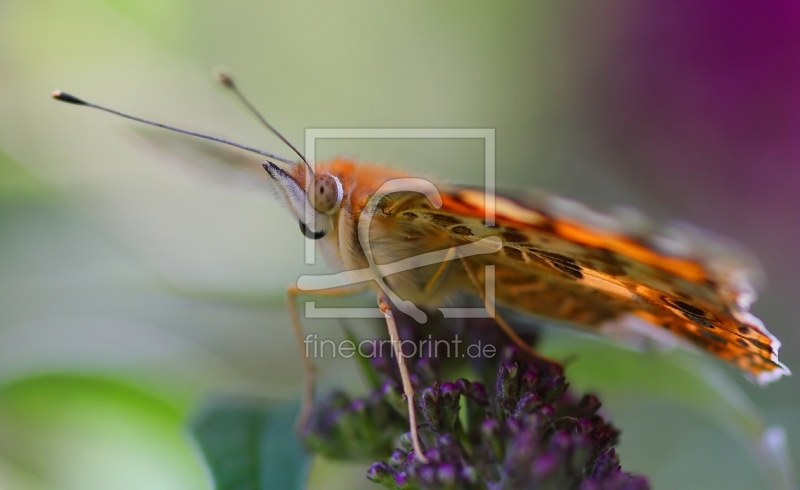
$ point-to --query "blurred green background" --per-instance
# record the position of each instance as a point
(131, 290)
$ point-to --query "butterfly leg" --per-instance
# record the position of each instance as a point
(408, 389)
(490, 307)
(308, 364)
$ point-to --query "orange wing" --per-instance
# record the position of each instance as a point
(563, 261)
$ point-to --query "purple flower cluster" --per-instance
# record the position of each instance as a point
(527, 431)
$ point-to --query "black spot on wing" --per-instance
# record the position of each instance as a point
(511, 235)
(690, 309)
(461, 230)
(607, 262)
(692, 312)
(443, 220)
(564, 264)
(514, 253)
(701, 321)
(573, 270)
(762, 346)
(713, 337)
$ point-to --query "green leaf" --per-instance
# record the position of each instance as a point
(90, 433)
(251, 444)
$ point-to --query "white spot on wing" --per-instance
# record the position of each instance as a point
(503, 207)
(639, 334)
(604, 284)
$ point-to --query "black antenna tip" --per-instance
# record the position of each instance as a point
(224, 77)
(270, 168)
(70, 99)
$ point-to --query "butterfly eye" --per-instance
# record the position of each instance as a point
(325, 193)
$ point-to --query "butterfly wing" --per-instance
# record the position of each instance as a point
(614, 274)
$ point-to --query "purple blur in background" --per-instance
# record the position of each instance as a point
(704, 98)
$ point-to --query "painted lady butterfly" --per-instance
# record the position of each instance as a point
(557, 259)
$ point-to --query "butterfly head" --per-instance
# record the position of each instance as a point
(313, 199)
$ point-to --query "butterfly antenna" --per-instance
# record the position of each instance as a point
(226, 80)
(71, 99)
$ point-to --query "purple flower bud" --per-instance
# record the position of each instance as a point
(449, 391)
(449, 406)
(401, 480)
(547, 410)
(390, 393)
(544, 465)
(398, 459)
(606, 464)
(427, 475)
(463, 384)
(587, 407)
(474, 391)
(560, 440)
(447, 475)
(470, 474)
(405, 442)
(381, 473)
(433, 455)
(521, 451)
(605, 436)
(490, 430)
(507, 387)
(431, 410)
(510, 354)
(450, 448)
(358, 405)
(553, 387)
(515, 426)
(527, 404)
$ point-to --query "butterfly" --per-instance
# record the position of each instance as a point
(548, 256)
